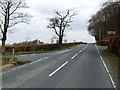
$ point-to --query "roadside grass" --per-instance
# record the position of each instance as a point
(8, 60)
(114, 60)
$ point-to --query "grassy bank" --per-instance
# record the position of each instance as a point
(8, 62)
(114, 60)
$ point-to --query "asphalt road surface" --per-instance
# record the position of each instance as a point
(80, 67)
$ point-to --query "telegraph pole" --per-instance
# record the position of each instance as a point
(118, 3)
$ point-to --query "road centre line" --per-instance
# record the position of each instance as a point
(106, 68)
(32, 54)
(79, 52)
(24, 65)
(74, 56)
(58, 69)
(22, 55)
(65, 63)
(63, 51)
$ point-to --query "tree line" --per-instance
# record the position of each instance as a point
(106, 19)
(11, 14)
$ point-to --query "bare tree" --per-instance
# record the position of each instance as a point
(60, 22)
(10, 15)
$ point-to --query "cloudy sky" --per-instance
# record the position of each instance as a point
(43, 9)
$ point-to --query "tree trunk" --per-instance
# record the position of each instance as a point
(3, 42)
(60, 41)
(3, 46)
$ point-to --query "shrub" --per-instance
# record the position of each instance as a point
(114, 44)
(103, 42)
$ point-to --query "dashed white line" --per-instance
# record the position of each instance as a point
(74, 56)
(32, 54)
(63, 51)
(79, 52)
(45, 58)
(25, 65)
(22, 55)
(58, 69)
(111, 79)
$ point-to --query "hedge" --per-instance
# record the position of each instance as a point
(114, 44)
(39, 47)
(103, 42)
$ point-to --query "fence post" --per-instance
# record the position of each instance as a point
(13, 51)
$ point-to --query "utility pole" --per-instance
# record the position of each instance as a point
(100, 34)
(118, 3)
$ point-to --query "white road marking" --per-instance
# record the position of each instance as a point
(32, 54)
(58, 69)
(22, 55)
(45, 58)
(24, 65)
(79, 52)
(74, 56)
(63, 51)
(111, 79)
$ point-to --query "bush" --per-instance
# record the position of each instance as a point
(114, 44)
(103, 42)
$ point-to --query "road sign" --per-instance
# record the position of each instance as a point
(111, 32)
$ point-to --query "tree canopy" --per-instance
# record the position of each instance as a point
(106, 19)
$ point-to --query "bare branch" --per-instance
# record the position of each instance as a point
(2, 8)
(58, 14)
(16, 8)
(17, 22)
(1, 29)
(56, 31)
(19, 15)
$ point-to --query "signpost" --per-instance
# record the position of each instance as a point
(111, 32)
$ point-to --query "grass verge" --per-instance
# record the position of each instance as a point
(114, 60)
(8, 62)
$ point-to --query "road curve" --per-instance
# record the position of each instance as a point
(80, 67)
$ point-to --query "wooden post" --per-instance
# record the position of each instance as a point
(12, 56)
(13, 51)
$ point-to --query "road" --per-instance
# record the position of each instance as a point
(80, 67)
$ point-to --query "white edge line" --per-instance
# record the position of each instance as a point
(111, 79)
(25, 65)
(58, 69)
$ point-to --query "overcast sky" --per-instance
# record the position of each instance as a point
(43, 9)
